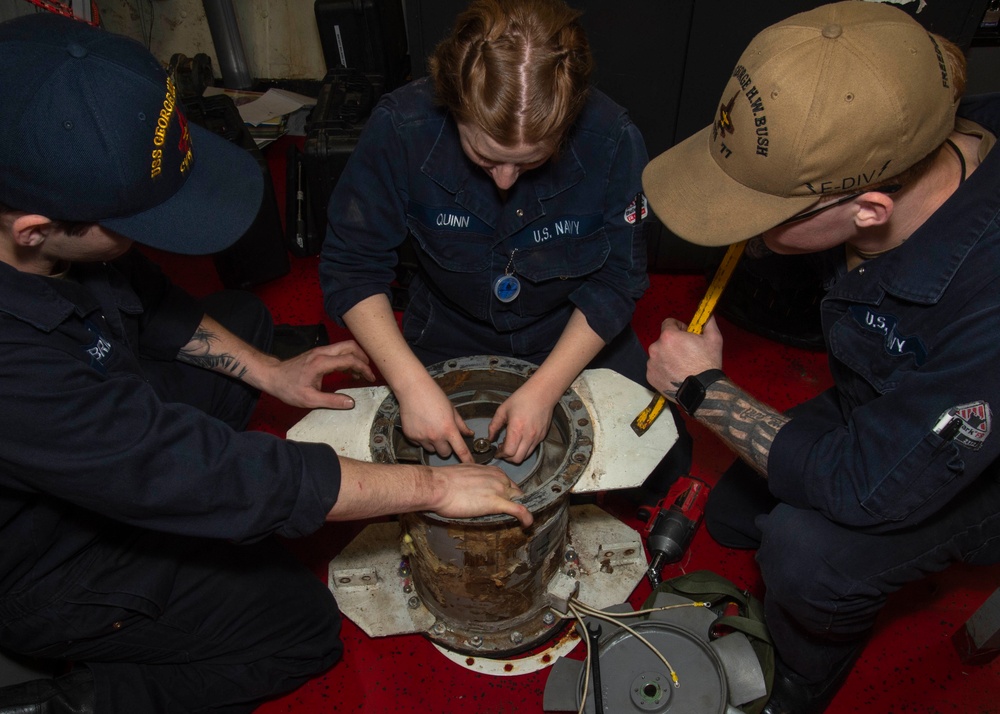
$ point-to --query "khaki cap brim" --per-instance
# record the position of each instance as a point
(702, 204)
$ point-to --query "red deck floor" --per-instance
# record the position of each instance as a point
(910, 666)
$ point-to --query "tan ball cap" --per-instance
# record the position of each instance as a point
(825, 102)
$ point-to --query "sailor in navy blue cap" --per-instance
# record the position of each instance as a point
(136, 515)
(91, 130)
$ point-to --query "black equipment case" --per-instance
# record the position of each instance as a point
(344, 103)
(369, 35)
(260, 255)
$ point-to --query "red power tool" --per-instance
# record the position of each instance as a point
(671, 523)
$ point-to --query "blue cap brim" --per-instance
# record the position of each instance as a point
(216, 205)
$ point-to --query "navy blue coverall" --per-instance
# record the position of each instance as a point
(893, 473)
(125, 486)
(570, 231)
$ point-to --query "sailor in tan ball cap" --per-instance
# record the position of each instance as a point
(842, 134)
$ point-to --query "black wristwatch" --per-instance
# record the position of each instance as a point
(692, 390)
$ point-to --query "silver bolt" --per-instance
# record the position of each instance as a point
(548, 618)
(476, 641)
(516, 637)
(413, 602)
(439, 628)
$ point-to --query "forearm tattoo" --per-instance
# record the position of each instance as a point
(198, 352)
(745, 424)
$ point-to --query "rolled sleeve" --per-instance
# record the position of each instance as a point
(609, 297)
(107, 444)
(318, 490)
(789, 460)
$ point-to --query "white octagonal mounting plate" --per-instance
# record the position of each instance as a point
(621, 459)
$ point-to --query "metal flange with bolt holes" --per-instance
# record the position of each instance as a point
(603, 559)
(484, 588)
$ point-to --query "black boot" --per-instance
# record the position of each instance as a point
(71, 693)
(791, 694)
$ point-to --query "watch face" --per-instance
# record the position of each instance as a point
(693, 389)
(690, 395)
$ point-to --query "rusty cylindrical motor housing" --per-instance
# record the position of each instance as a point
(485, 579)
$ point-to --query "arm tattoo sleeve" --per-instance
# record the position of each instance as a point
(198, 352)
(747, 425)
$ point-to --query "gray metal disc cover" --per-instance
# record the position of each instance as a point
(633, 679)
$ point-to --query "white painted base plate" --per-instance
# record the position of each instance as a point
(378, 596)
(621, 459)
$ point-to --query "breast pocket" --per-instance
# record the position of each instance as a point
(870, 354)
(456, 266)
(551, 271)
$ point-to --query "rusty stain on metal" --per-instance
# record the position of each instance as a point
(453, 381)
(486, 578)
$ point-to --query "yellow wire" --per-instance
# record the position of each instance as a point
(611, 617)
(600, 614)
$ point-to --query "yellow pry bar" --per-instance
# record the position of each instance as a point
(647, 416)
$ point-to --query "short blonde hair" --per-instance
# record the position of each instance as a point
(517, 69)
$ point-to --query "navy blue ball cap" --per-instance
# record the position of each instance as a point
(91, 130)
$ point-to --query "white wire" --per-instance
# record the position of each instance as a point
(600, 614)
(586, 661)
(577, 607)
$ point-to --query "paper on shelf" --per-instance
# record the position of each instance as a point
(272, 103)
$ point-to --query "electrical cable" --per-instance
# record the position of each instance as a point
(586, 661)
(579, 609)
